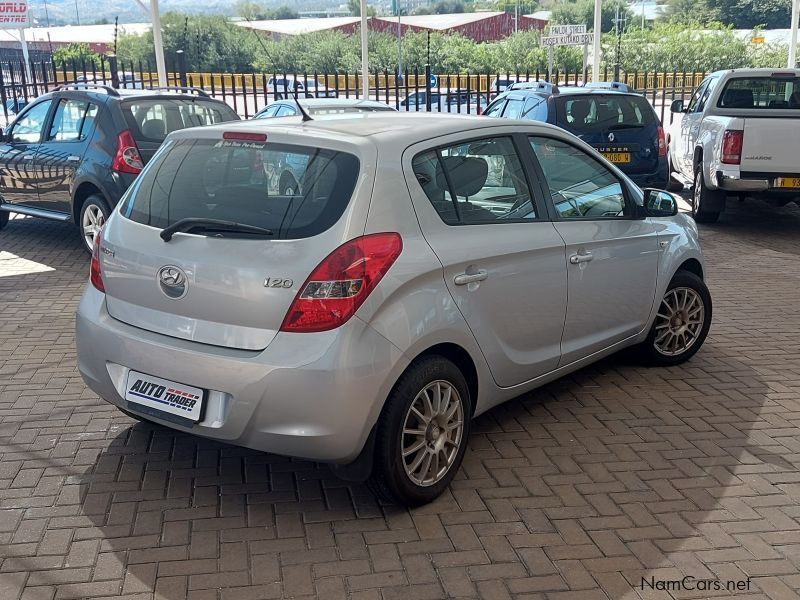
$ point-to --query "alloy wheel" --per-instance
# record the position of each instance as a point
(679, 321)
(432, 433)
(91, 223)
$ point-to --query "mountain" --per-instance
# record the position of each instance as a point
(63, 12)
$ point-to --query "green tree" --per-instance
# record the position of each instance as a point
(77, 54)
(284, 12)
(250, 10)
(582, 12)
(354, 6)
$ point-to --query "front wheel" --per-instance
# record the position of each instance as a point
(94, 213)
(681, 324)
(702, 197)
(422, 433)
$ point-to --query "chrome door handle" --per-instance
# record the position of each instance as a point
(576, 259)
(73, 158)
(27, 157)
(466, 278)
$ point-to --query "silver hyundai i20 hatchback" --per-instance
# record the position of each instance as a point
(426, 269)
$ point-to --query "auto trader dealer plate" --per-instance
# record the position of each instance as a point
(167, 396)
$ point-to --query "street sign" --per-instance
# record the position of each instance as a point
(577, 39)
(433, 80)
(14, 14)
(757, 39)
(567, 29)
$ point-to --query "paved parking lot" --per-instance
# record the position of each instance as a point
(610, 483)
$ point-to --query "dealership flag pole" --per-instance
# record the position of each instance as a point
(793, 43)
(364, 53)
(598, 26)
(158, 44)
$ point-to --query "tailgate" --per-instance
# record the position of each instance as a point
(228, 287)
(770, 146)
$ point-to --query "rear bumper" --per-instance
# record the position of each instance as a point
(731, 183)
(314, 396)
(658, 179)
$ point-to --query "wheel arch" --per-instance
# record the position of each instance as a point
(461, 359)
(82, 192)
(692, 265)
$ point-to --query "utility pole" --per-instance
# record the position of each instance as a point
(793, 40)
(598, 29)
(618, 29)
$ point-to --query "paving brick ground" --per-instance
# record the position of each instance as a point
(579, 490)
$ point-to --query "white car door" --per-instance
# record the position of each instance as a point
(503, 261)
(611, 255)
(690, 124)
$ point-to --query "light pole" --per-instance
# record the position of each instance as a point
(793, 43)
(364, 52)
(158, 44)
(598, 26)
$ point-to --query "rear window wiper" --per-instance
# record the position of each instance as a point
(198, 224)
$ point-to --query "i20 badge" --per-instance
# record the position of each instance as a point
(173, 282)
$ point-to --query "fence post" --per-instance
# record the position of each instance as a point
(428, 88)
(181, 56)
(112, 66)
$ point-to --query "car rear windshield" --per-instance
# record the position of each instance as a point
(152, 119)
(602, 112)
(295, 191)
(761, 93)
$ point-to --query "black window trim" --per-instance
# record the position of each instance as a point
(536, 198)
(630, 205)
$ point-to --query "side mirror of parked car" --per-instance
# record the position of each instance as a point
(3, 136)
(676, 106)
(658, 203)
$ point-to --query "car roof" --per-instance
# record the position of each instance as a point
(760, 72)
(402, 129)
(333, 102)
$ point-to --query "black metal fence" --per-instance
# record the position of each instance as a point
(247, 93)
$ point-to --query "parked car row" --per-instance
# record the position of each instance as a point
(326, 286)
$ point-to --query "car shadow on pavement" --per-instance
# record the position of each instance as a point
(594, 482)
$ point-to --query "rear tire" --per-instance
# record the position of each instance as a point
(673, 183)
(94, 213)
(4, 215)
(681, 324)
(702, 197)
(422, 433)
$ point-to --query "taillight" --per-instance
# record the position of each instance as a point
(127, 158)
(732, 146)
(95, 276)
(662, 142)
(342, 282)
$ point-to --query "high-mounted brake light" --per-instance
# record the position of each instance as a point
(732, 141)
(127, 158)
(95, 276)
(342, 282)
(244, 136)
(662, 142)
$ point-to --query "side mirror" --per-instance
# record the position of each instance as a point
(4, 137)
(658, 203)
(676, 106)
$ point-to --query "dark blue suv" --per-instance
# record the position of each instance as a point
(620, 124)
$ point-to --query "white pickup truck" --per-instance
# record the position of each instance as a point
(739, 135)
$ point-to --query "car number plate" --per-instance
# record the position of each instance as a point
(617, 157)
(787, 182)
(167, 396)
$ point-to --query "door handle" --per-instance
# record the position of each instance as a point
(576, 259)
(466, 278)
(73, 158)
(27, 157)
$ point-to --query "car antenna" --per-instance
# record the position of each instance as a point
(306, 116)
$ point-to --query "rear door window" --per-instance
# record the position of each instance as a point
(776, 92)
(152, 119)
(598, 112)
(72, 121)
(240, 182)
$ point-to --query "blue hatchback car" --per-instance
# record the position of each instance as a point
(620, 124)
